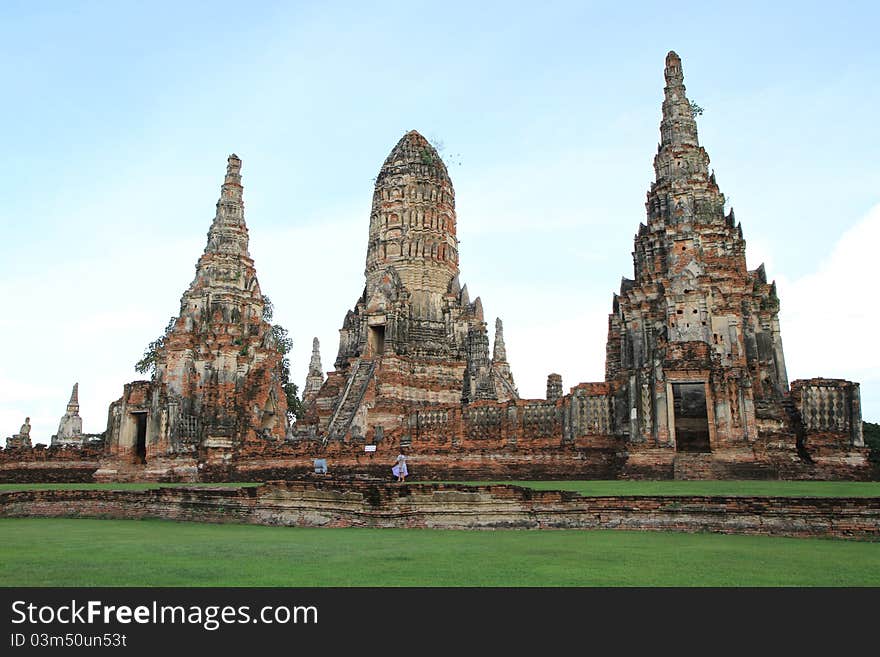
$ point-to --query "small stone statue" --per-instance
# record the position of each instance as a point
(23, 438)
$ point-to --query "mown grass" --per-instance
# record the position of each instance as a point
(81, 552)
(597, 487)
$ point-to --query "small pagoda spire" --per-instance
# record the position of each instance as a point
(506, 387)
(315, 362)
(315, 378)
(499, 351)
(70, 426)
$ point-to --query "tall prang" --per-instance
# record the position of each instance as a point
(414, 336)
(694, 346)
(217, 384)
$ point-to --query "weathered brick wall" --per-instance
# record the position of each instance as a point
(329, 503)
(442, 457)
(61, 463)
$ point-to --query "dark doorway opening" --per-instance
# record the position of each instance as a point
(377, 340)
(141, 437)
(691, 417)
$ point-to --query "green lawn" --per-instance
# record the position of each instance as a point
(613, 487)
(73, 552)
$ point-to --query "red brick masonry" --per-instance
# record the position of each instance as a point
(333, 503)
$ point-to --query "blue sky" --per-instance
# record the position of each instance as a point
(118, 118)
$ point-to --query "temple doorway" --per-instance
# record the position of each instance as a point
(141, 437)
(691, 417)
(377, 340)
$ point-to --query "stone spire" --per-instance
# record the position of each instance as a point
(73, 404)
(315, 378)
(500, 366)
(220, 355)
(499, 352)
(678, 126)
(70, 427)
(684, 191)
(228, 233)
(225, 277)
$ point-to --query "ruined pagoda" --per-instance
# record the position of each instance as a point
(217, 384)
(414, 337)
(70, 426)
(694, 346)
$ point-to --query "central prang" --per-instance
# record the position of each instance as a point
(414, 336)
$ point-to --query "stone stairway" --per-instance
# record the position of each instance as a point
(119, 470)
(692, 465)
(362, 372)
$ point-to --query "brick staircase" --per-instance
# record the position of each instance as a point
(362, 372)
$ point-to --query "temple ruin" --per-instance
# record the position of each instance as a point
(695, 378)
(217, 383)
(414, 336)
(694, 352)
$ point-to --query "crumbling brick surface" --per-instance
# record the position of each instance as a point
(218, 379)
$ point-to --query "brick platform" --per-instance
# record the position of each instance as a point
(331, 503)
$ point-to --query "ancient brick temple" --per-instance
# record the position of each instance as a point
(695, 385)
(414, 338)
(217, 385)
(694, 354)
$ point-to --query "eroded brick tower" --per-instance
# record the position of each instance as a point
(694, 346)
(218, 380)
(414, 337)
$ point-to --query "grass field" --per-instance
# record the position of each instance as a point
(74, 552)
(619, 487)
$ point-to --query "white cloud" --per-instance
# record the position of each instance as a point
(830, 317)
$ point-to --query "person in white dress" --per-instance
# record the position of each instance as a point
(399, 470)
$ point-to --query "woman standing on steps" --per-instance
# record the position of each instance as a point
(399, 470)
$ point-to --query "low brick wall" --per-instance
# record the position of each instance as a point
(582, 459)
(314, 502)
(58, 471)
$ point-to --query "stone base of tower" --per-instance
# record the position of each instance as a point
(170, 469)
(763, 460)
